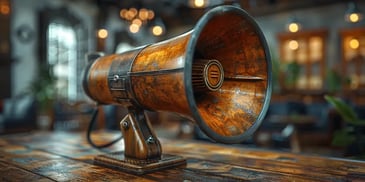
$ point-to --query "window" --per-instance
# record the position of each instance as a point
(62, 58)
(353, 57)
(63, 46)
(302, 54)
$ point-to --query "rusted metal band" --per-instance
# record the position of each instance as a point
(119, 79)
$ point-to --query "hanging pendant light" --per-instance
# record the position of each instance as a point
(353, 14)
(293, 25)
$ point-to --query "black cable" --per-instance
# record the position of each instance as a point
(90, 128)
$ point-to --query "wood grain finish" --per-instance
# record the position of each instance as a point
(157, 76)
(160, 76)
(236, 43)
(142, 144)
(64, 156)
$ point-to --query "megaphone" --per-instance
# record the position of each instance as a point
(218, 75)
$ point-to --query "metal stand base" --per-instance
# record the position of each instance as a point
(118, 161)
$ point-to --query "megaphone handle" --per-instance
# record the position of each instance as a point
(140, 142)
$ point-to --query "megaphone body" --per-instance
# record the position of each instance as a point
(218, 75)
(166, 76)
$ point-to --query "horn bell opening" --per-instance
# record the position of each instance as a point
(234, 108)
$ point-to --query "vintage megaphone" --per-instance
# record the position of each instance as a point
(218, 75)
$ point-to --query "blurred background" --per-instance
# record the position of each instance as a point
(317, 49)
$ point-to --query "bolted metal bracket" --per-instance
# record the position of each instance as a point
(142, 149)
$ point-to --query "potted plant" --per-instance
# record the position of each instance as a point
(42, 89)
(352, 135)
(333, 80)
(292, 73)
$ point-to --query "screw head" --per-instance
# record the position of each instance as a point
(116, 77)
(150, 140)
(125, 124)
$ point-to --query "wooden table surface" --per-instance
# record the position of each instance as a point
(62, 156)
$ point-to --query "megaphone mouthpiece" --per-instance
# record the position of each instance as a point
(207, 75)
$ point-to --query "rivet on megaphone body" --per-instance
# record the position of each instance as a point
(116, 77)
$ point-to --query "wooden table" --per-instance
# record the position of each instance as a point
(61, 156)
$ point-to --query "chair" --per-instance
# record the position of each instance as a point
(19, 114)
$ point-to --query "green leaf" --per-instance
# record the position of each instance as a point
(347, 112)
(342, 138)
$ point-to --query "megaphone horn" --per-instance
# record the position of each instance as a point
(218, 75)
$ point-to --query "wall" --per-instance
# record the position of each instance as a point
(25, 12)
(25, 54)
(5, 51)
(330, 17)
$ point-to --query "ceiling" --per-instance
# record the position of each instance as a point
(255, 7)
(180, 12)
